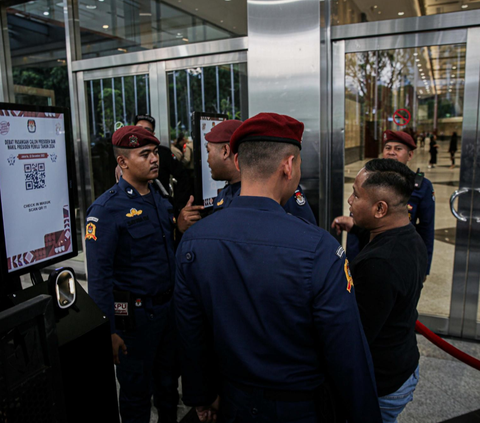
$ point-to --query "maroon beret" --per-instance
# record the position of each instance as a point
(399, 136)
(223, 131)
(268, 127)
(133, 137)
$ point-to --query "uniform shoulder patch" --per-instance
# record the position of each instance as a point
(90, 231)
(92, 219)
(340, 252)
(220, 202)
(348, 275)
(299, 198)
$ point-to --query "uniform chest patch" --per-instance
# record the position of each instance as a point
(299, 198)
(90, 231)
(348, 275)
(134, 212)
(121, 309)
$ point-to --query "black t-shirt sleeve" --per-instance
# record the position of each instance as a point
(375, 295)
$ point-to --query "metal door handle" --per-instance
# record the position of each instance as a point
(452, 199)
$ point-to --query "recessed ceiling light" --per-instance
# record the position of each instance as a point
(464, 6)
(46, 13)
(453, 76)
(221, 21)
(144, 14)
(417, 60)
(91, 6)
(375, 6)
(179, 35)
(379, 12)
(415, 54)
(401, 13)
(105, 26)
(196, 9)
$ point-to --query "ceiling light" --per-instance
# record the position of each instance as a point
(375, 6)
(185, 39)
(417, 60)
(144, 14)
(122, 49)
(401, 13)
(91, 6)
(415, 54)
(105, 26)
(179, 35)
(221, 21)
(46, 13)
(464, 6)
(453, 76)
(101, 0)
(379, 12)
(196, 9)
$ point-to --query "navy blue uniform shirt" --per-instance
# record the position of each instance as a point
(267, 299)
(129, 246)
(296, 205)
(421, 210)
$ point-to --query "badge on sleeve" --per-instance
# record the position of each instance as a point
(299, 198)
(348, 274)
(90, 231)
(220, 202)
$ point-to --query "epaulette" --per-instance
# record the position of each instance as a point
(106, 196)
(419, 177)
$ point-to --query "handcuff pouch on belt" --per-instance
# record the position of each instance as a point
(124, 310)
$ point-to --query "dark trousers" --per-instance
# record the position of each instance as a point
(241, 405)
(135, 371)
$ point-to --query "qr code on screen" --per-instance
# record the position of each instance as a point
(34, 176)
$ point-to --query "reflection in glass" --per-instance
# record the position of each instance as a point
(214, 89)
(346, 12)
(112, 103)
(121, 26)
(421, 91)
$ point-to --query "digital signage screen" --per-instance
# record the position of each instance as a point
(206, 189)
(36, 187)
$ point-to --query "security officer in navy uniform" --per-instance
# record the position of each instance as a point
(222, 166)
(266, 299)
(169, 166)
(131, 268)
(400, 146)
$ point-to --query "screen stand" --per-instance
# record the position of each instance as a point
(36, 277)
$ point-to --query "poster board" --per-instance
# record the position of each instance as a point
(206, 189)
(36, 188)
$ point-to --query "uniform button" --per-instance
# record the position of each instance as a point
(254, 411)
(112, 191)
(188, 256)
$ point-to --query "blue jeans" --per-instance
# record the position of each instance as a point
(392, 405)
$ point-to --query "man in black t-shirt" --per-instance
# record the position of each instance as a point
(388, 275)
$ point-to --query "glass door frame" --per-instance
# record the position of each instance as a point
(462, 321)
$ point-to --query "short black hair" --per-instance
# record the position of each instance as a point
(263, 157)
(391, 174)
(146, 117)
(119, 151)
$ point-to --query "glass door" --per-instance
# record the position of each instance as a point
(421, 84)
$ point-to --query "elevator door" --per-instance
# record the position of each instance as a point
(425, 84)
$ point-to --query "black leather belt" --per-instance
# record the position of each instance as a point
(159, 299)
(276, 395)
